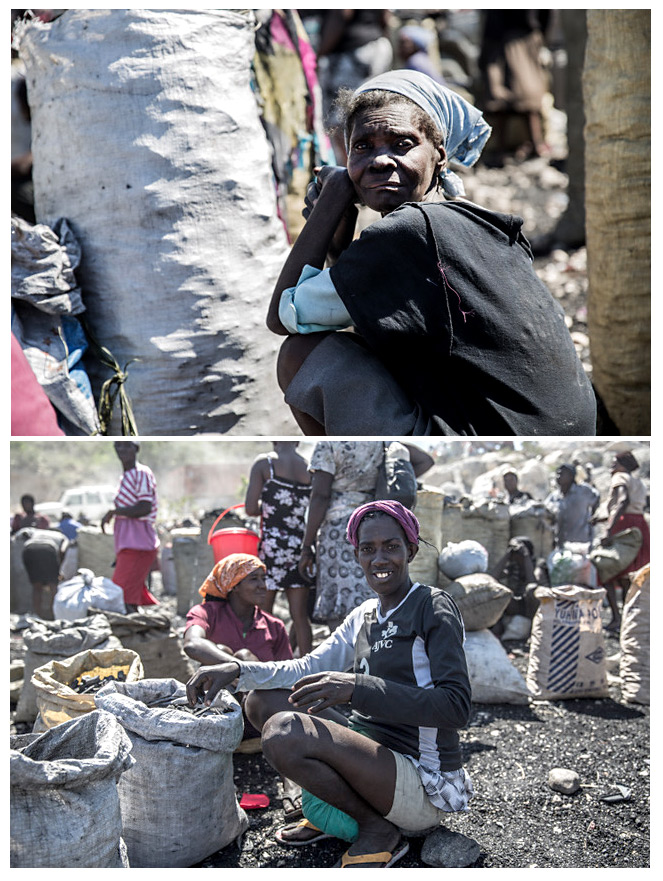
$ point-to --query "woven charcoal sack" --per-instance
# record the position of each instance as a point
(64, 803)
(493, 678)
(485, 521)
(58, 702)
(567, 651)
(616, 553)
(429, 514)
(175, 208)
(634, 640)
(151, 635)
(54, 641)
(480, 598)
(178, 800)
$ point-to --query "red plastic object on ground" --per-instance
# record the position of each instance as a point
(254, 800)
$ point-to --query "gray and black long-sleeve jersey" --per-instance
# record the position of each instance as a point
(412, 691)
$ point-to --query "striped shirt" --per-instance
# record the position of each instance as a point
(137, 533)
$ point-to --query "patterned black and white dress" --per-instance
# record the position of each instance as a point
(341, 584)
(283, 509)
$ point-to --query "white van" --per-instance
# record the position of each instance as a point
(91, 502)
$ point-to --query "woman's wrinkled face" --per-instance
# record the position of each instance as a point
(390, 159)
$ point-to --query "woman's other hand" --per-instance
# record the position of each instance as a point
(322, 690)
(207, 682)
(306, 564)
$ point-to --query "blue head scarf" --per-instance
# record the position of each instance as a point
(464, 130)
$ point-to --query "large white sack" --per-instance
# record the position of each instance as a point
(463, 558)
(493, 677)
(147, 139)
(86, 591)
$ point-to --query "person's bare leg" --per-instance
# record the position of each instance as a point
(323, 757)
(259, 707)
(298, 601)
(611, 596)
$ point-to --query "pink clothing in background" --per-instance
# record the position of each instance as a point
(138, 533)
(32, 412)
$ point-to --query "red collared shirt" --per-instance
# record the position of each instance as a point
(266, 637)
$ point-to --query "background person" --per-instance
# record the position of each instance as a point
(135, 536)
(29, 517)
(230, 623)
(344, 476)
(278, 491)
(396, 768)
(626, 506)
(571, 507)
(43, 553)
(514, 493)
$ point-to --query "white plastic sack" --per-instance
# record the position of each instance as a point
(571, 565)
(85, 591)
(178, 801)
(147, 138)
(463, 558)
(493, 677)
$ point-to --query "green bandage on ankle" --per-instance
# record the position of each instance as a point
(328, 818)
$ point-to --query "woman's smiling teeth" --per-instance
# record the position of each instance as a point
(382, 575)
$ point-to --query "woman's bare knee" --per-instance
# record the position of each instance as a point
(292, 354)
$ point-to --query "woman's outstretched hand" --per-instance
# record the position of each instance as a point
(322, 690)
(207, 682)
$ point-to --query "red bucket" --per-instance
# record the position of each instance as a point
(232, 540)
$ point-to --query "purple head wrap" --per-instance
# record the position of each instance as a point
(403, 516)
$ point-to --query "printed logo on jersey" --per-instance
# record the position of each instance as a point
(386, 642)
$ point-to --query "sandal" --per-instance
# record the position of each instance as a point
(385, 857)
(292, 806)
(303, 824)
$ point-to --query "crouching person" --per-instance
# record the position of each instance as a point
(393, 768)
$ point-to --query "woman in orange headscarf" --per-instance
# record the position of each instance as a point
(229, 623)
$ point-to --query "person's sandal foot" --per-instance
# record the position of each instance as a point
(383, 860)
(308, 833)
(292, 806)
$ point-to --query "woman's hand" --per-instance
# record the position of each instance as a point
(207, 682)
(306, 564)
(108, 516)
(322, 690)
(336, 183)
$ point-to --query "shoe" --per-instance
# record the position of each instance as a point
(303, 824)
(389, 859)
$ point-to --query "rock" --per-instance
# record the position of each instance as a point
(563, 780)
(449, 850)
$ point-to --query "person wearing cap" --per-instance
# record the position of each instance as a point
(134, 533)
(453, 331)
(571, 506)
(394, 768)
(626, 507)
